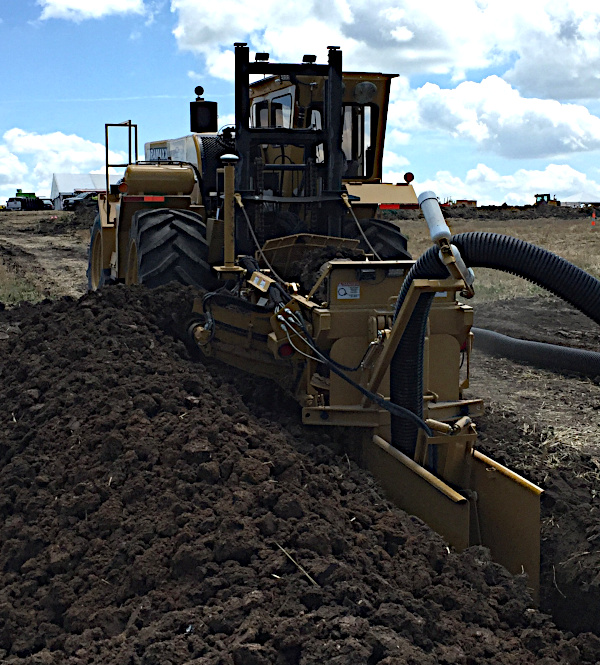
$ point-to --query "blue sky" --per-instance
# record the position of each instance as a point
(496, 100)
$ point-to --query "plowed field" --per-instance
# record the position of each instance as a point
(157, 509)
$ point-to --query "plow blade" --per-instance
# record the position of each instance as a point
(508, 510)
(501, 513)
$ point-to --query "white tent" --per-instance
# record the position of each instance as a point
(581, 198)
(68, 184)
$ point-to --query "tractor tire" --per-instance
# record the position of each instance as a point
(97, 276)
(385, 238)
(168, 246)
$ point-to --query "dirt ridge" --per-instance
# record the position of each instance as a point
(146, 509)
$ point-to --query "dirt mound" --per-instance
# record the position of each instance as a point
(502, 213)
(84, 215)
(61, 222)
(496, 213)
(152, 516)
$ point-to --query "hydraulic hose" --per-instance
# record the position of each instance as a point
(478, 250)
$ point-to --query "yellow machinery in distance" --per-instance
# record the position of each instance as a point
(545, 199)
(274, 221)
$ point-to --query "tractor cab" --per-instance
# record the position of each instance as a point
(298, 102)
(544, 199)
(310, 139)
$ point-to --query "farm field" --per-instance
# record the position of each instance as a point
(41, 255)
(160, 510)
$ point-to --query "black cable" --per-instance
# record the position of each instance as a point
(284, 297)
(331, 360)
(394, 409)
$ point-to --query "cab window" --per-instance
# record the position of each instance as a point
(357, 140)
(316, 123)
(281, 111)
(260, 114)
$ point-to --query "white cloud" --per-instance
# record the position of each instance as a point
(38, 156)
(221, 64)
(286, 30)
(552, 49)
(402, 34)
(226, 119)
(12, 170)
(397, 137)
(559, 55)
(489, 187)
(497, 118)
(392, 160)
(79, 10)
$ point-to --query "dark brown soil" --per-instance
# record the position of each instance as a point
(84, 215)
(546, 426)
(162, 511)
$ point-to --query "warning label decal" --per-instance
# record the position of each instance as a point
(348, 291)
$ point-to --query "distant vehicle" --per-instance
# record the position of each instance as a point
(544, 199)
(28, 203)
(15, 203)
(83, 197)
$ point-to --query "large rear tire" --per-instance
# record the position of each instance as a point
(96, 274)
(386, 238)
(168, 246)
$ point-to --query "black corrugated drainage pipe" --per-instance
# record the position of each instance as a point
(540, 354)
(478, 250)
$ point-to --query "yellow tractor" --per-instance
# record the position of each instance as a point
(274, 222)
(546, 200)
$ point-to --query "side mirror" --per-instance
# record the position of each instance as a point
(204, 117)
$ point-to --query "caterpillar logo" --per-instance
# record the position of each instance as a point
(158, 153)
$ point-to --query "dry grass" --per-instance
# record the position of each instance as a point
(14, 289)
(576, 241)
